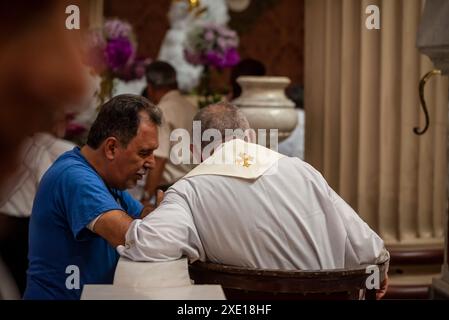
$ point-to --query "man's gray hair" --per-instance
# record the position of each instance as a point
(222, 116)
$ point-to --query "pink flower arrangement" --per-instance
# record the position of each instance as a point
(111, 52)
(212, 45)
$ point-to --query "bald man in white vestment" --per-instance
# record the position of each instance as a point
(256, 209)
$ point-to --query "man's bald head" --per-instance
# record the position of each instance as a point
(222, 116)
(221, 122)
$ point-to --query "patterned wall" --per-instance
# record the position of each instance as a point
(274, 34)
(277, 39)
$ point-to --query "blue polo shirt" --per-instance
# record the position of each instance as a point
(63, 254)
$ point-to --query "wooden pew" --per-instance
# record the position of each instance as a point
(249, 284)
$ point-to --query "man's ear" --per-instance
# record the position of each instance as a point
(110, 146)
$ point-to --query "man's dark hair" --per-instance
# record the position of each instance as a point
(246, 67)
(295, 92)
(161, 75)
(119, 117)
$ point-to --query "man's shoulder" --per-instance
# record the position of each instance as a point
(188, 187)
(198, 184)
(299, 164)
(299, 170)
(70, 167)
(67, 160)
(295, 165)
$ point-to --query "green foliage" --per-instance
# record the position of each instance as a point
(204, 101)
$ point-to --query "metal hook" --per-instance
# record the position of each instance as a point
(422, 83)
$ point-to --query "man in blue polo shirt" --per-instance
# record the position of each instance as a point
(81, 211)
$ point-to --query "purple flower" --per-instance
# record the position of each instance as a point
(118, 52)
(212, 45)
(229, 33)
(111, 52)
(221, 60)
(209, 25)
(222, 43)
(134, 69)
(232, 42)
(232, 57)
(140, 66)
(214, 59)
(94, 57)
(74, 129)
(115, 28)
(96, 39)
(209, 36)
(220, 29)
(192, 57)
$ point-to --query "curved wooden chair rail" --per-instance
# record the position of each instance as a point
(248, 283)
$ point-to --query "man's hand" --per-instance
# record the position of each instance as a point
(383, 288)
(154, 177)
(147, 209)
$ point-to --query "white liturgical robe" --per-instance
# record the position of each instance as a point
(279, 214)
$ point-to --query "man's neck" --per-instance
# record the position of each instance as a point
(93, 159)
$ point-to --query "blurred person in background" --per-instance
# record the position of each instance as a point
(246, 67)
(293, 146)
(41, 72)
(178, 113)
(37, 154)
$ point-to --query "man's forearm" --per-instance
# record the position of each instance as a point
(113, 226)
